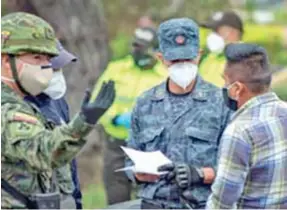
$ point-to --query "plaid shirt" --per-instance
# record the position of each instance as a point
(252, 169)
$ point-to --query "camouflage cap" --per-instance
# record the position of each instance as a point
(178, 39)
(22, 32)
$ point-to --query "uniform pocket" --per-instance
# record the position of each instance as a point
(201, 146)
(206, 135)
(151, 138)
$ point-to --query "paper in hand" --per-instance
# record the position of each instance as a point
(145, 162)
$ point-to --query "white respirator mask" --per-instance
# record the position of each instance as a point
(57, 86)
(215, 43)
(183, 73)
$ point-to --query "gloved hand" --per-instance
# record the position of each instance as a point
(123, 120)
(92, 111)
(183, 174)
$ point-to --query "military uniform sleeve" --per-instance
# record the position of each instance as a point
(225, 119)
(132, 141)
(25, 139)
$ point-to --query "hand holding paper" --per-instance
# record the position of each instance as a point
(146, 177)
(145, 162)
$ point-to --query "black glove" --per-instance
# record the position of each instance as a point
(183, 174)
(92, 111)
(170, 176)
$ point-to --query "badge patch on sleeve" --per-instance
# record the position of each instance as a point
(21, 117)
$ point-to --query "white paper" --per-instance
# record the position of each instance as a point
(145, 162)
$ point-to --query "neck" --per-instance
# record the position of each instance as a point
(175, 89)
(14, 87)
(7, 78)
(232, 40)
(248, 97)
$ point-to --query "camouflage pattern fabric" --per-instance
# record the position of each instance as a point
(186, 128)
(22, 32)
(29, 149)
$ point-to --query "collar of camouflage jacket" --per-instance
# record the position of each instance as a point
(7, 92)
(198, 93)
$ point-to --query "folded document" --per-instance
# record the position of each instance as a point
(145, 162)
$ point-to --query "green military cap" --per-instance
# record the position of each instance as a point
(23, 32)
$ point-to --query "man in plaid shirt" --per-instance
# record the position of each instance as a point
(252, 168)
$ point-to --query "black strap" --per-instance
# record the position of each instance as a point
(16, 194)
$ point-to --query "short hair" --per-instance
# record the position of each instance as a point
(248, 63)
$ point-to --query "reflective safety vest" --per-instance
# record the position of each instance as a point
(130, 82)
(211, 68)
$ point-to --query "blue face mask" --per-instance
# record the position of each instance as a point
(229, 102)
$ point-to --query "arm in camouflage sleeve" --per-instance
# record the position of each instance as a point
(25, 138)
(210, 173)
(225, 119)
(132, 141)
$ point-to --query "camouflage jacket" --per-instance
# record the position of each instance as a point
(29, 150)
(186, 128)
(56, 112)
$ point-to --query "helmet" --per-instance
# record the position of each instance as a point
(23, 32)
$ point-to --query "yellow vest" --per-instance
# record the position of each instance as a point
(212, 67)
(130, 82)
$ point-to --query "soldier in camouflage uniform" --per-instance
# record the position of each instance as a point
(184, 118)
(30, 149)
(55, 109)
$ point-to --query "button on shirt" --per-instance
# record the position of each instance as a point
(187, 133)
(252, 170)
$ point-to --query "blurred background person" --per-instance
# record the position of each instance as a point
(146, 21)
(226, 27)
(133, 75)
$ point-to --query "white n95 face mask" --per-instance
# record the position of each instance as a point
(182, 73)
(215, 43)
(57, 86)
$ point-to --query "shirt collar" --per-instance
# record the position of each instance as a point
(199, 92)
(256, 101)
(40, 100)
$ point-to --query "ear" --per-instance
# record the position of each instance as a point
(197, 59)
(159, 56)
(241, 89)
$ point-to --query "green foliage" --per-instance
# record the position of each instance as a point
(281, 15)
(281, 92)
(94, 197)
(279, 84)
(270, 37)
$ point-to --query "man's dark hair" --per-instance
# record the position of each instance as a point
(248, 63)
